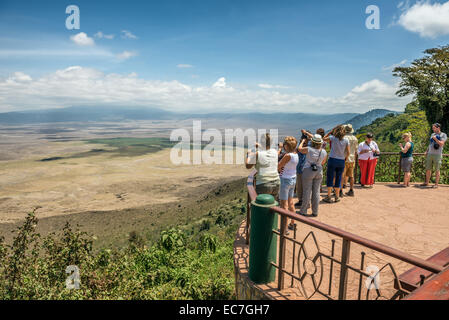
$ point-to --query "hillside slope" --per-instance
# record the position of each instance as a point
(367, 118)
(388, 130)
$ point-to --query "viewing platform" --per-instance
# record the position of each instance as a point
(388, 242)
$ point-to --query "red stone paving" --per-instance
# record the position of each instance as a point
(414, 220)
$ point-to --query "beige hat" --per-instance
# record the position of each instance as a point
(317, 139)
(349, 128)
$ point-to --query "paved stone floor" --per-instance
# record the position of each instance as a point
(414, 220)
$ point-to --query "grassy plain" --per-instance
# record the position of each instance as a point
(109, 184)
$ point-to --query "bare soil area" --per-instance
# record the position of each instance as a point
(107, 194)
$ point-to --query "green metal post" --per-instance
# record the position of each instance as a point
(263, 244)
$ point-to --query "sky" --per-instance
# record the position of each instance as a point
(215, 55)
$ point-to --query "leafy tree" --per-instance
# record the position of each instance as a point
(428, 80)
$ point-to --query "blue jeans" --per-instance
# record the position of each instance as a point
(335, 168)
(287, 189)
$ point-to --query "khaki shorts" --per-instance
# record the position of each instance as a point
(268, 188)
(349, 169)
(433, 161)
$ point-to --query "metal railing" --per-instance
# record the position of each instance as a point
(303, 266)
(391, 161)
(389, 168)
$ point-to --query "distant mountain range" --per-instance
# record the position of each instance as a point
(290, 123)
(367, 118)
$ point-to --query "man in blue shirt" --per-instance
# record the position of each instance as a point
(299, 168)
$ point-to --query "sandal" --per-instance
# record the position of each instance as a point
(337, 199)
(327, 199)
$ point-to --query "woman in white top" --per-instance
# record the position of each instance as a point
(368, 152)
(266, 164)
(287, 169)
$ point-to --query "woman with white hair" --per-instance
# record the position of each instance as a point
(265, 160)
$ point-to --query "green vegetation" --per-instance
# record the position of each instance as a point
(388, 134)
(122, 147)
(193, 261)
(427, 79)
(389, 129)
(130, 147)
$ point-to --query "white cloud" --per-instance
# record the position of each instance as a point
(184, 66)
(101, 35)
(394, 65)
(271, 86)
(126, 55)
(128, 35)
(221, 83)
(86, 86)
(429, 20)
(88, 52)
(82, 39)
(19, 77)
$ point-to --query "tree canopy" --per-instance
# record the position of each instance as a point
(428, 80)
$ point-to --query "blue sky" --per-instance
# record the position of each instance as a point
(304, 56)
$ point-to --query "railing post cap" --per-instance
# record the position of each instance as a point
(265, 200)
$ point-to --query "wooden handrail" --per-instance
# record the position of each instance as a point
(362, 241)
(349, 236)
(414, 154)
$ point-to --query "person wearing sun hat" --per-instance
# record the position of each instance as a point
(312, 175)
(348, 173)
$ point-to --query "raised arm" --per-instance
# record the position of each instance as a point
(440, 142)
(303, 149)
(310, 135)
(250, 158)
(326, 137)
(406, 148)
(283, 162)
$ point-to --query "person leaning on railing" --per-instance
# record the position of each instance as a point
(407, 157)
(266, 164)
(434, 154)
(368, 155)
(312, 174)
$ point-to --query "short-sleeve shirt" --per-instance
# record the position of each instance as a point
(371, 148)
(353, 145)
(338, 148)
(314, 156)
(442, 137)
